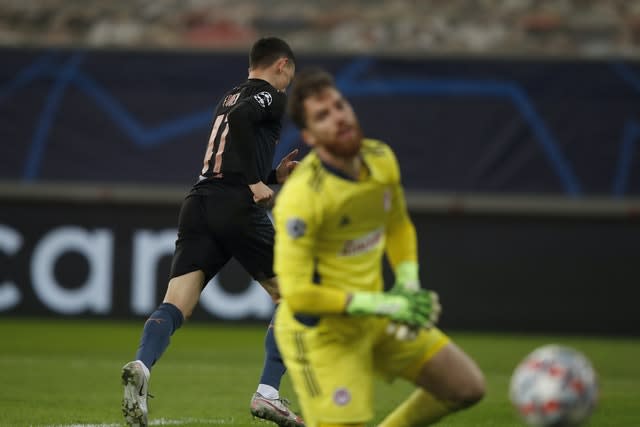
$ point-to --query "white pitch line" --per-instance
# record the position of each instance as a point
(157, 422)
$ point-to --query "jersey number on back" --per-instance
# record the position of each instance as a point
(219, 132)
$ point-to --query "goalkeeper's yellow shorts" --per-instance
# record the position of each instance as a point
(333, 363)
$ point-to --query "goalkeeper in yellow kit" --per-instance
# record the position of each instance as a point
(336, 328)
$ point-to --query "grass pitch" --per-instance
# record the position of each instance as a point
(67, 373)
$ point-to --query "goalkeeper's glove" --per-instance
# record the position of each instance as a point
(408, 282)
(410, 309)
(407, 332)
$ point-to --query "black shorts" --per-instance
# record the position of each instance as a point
(221, 224)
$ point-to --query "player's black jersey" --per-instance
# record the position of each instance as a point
(246, 128)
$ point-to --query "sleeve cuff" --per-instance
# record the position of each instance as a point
(271, 179)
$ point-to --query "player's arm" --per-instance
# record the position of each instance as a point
(402, 253)
(297, 224)
(243, 119)
(402, 241)
(305, 297)
(310, 299)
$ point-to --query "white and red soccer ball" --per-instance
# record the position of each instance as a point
(554, 386)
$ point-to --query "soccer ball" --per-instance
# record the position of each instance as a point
(554, 386)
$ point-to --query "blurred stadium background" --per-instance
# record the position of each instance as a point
(516, 123)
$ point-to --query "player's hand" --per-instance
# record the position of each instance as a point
(407, 281)
(408, 332)
(271, 286)
(286, 166)
(410, 309)
(262, 194)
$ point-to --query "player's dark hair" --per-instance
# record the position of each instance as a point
(268, 50)
(307, 83)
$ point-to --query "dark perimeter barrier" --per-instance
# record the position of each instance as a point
(519, 264)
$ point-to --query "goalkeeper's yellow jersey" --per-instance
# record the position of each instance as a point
(332, 231)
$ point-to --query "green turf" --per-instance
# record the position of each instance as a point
(66, 372)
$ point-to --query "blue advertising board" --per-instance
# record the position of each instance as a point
(457, 125)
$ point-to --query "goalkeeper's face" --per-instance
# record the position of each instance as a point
(331, 123)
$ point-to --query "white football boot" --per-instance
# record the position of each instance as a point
(134, 403)
(276, 410)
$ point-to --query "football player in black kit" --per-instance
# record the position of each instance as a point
(223, 216)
